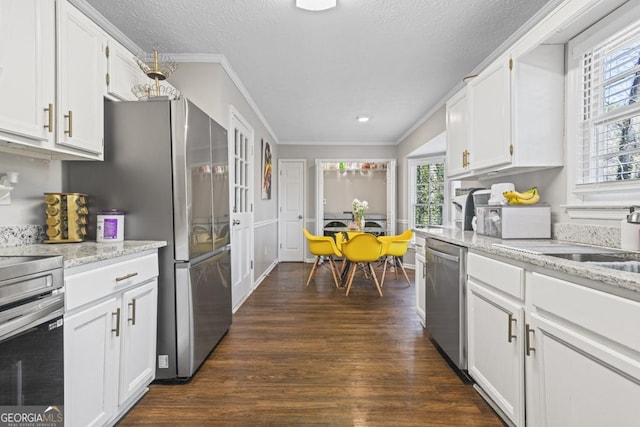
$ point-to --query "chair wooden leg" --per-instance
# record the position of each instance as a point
(352, 272)
(404, 271)
(313, 270)
(384, 271)
(333, 271)
(375, 279)
(395, 265)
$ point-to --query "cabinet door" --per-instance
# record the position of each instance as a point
(81, 82)
(420, 278)
(123, 71)
(490, 117)
(495, 348)
(91, 357)
(27, 71)
(137, 366)
(574, 381)
(458, 141)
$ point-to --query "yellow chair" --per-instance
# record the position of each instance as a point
(396, 247)
(322, 246)
(362, 249)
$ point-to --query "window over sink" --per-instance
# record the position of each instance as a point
(603, 113)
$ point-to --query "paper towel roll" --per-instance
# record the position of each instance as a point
(629, 236)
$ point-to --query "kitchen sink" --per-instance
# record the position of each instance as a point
(600, 256)
(582, 257)
(604, 260)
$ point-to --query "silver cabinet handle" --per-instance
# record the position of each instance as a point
(126, 276)
(510, 334)
(132, 319)
(117, 329)
(528, 331)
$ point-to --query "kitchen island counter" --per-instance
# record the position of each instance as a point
(623, 283)
(75, 254)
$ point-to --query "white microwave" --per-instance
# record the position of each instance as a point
(514, 221)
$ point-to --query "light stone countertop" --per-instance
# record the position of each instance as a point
(75, 254)
(615, 281)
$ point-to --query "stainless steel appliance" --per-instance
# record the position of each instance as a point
(31, 332)
(166, 167)
(445, 298)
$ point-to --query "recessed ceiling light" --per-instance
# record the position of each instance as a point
(362, 119)
(316, 5)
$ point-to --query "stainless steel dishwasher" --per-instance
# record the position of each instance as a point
(445, 296)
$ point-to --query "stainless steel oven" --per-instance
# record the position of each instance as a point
(445, 295)
(31, 332)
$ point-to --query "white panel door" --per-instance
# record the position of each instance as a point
(291, 197)
(241, 171)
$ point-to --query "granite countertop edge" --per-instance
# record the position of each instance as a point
(76, 254)
(614, 278)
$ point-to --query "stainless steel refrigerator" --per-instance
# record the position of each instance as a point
(166, 167)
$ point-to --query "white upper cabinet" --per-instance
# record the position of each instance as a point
(123, 72)
(27, 72)
(517, 113)
(81, 82)
(458, 141)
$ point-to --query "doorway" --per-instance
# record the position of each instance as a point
(291, 189)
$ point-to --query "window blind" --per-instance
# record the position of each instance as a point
(610, 113)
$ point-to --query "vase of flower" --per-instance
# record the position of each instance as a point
(358, 209)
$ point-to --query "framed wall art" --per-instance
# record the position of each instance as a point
(267, 169)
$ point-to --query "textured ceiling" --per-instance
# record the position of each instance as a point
(312, 73)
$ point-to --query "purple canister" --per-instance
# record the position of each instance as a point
(110, 226)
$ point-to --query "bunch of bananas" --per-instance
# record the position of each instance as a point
(529, 197)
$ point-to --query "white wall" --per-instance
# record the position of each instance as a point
(27, 200)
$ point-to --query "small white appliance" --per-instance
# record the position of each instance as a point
(496, 193)
(514, 221)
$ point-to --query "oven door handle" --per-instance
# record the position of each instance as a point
(443, 255)
(22, 318)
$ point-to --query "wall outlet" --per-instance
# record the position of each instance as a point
(163, 361)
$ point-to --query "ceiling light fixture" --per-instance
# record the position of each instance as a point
(316, 5)
(362, 119)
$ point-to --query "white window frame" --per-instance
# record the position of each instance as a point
(412, 166)
(605, 200)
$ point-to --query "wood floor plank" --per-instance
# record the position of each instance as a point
(309, 356)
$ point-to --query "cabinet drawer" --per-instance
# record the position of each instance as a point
(502, 276)
(420, 244)
(609, 316)
(90, 285)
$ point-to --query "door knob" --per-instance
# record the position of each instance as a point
(299, 216)
(236, 222)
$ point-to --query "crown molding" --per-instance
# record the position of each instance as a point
(337, 143)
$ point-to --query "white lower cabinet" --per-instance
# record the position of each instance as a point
(109, 338)
(583, 363)
(549, 352)
(495, 318)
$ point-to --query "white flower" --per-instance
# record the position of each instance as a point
(359, 207)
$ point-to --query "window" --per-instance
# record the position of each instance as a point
(610, 148)
(427, 192)
(603, 114)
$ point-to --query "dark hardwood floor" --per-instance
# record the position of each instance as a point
(309, 356)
